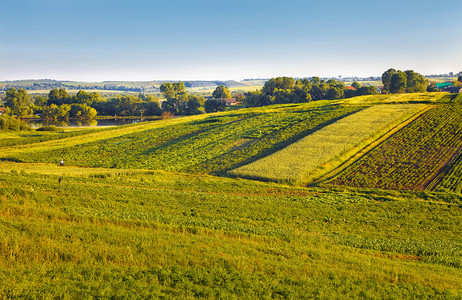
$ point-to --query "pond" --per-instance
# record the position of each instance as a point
(37, 123)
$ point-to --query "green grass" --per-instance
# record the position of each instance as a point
(205, 144)
(301, 159)
(129, 232)
(158, 234)
(399, 98)
(412, 157)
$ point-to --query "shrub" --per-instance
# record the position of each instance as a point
(48, 128)
(11, 123)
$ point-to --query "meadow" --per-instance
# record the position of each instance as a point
(155, 234)
(301, 159)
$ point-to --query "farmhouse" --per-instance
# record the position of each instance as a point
(2, 110)
(453, 89)
(443, 85)
(230, 101)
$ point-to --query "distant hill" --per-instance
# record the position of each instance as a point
(126, 86)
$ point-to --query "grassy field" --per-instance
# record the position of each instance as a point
(205, 144)
(140, 234)
(345, 137)
(411, 158)
(135, 213)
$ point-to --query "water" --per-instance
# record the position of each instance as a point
(36, 123)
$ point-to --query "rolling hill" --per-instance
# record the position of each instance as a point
(139, 211)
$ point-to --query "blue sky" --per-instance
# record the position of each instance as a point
(96, 40)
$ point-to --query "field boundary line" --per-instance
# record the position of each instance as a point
(431, 184)
(366, 149)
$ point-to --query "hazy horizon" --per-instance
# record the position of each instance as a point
(94, 41)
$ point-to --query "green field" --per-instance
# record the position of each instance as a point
(139, 213)
(347, 135)
(138, 234)
(206, 144)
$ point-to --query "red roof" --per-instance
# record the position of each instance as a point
(350, 88)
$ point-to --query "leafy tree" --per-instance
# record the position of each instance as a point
(398, 82)
(194, 105)
(416, 83)
(82, 97)
(18, 101)
(221, 92)
(40, 101)
(172, 90)
(459, 78)
(8, 122)
(58, 97)
(82, 111)
(386, 79)
(315, 80)
(356, 85)
(54, 111)
(128, 105)
(214, 105)
(278, 83)
(366, 90)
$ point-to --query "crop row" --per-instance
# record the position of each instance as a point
(308, 154)
(211, 145)
(411, 158)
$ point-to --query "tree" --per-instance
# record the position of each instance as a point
(40, 101)
(82, 97)
(356, 85)
(214, 105)
(221, 92)
(459, 78)
(398, 82)
(386, 79)
(18, 101)
(172, 90)
(58, 97)
(194, 105)
(82, 111)
(278, 83)
(416, 83)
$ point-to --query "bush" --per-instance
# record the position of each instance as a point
(11, 123)
(48, 128)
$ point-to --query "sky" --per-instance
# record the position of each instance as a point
(141, 40)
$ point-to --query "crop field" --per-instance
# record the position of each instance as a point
(451, 179)
(113, 233)
(400, 98)
(411, 158)
(295, 162)
(205, 144)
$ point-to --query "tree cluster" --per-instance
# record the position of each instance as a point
(179, 101)
(396, 81)
(282, 90)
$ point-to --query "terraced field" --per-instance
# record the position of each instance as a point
(413, 157)
(299, 160)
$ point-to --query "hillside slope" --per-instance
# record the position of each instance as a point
(70, 232)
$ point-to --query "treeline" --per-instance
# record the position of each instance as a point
(60, 105)
(288, 90)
